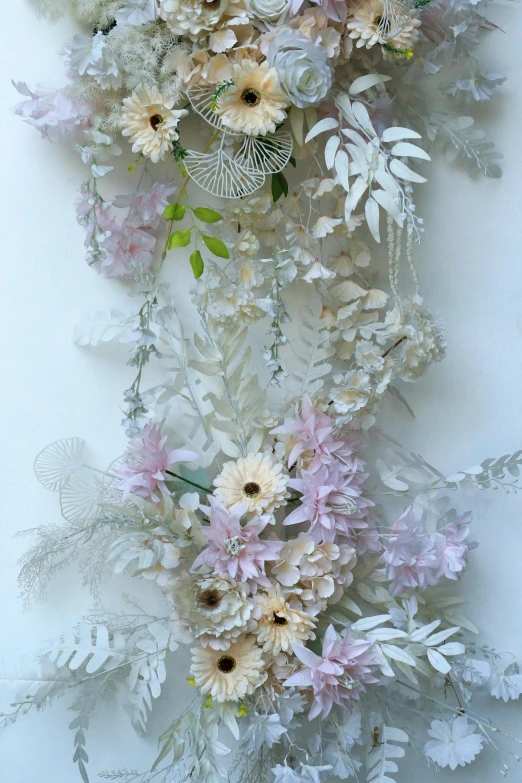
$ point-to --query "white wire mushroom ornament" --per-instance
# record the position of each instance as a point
(243, 159)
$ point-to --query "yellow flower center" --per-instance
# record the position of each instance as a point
(226, 664)
(251, 97)
(251, 490)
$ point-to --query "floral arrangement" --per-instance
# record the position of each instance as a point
(308, 562)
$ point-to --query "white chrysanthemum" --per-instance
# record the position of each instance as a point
(254, 103)
(229, 675)
(388, 22)
(279, 624)
(214, 610)
(151, 122)
(256, 479)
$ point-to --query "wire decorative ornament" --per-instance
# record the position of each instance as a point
(233, 174)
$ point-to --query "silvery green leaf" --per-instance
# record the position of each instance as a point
(367, 81)
(438, 661)
(397, 134)
(328, 123)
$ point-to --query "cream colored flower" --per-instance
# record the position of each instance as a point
(388, 22)
(318, 574)
(254, 103)
(214, 610)
(193, 18)
(231, 674)
(279, 624)
(151, 122)
(256, 480)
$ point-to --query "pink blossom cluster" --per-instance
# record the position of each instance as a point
(143, 472)
(332, 477)
(415, 559)
(338, 675)
(54, 112)
(124, 249)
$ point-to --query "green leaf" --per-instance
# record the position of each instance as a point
(292, 160)
(279, 186)
(196, 262)
(180, 238)
(207, 215)
(216, 246)
(174, 212)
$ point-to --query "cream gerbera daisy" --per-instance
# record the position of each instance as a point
(388, 22)
(231, 674)
(151, 122)
(254, 103)
(256, 480)
(279, 624)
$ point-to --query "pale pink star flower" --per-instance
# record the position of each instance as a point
(331, 501)
(312, 439)
(146, 463)
(338, 675)
(235, 549)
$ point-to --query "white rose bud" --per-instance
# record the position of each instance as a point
(302, 66)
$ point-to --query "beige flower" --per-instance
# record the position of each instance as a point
(151, 122)
(254, 103)
(388, 22)
(280, 624)
(317, 574)
(256, 480)
(214, 610)
(229, 675)
(195, 18)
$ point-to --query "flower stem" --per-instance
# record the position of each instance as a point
(188, 481)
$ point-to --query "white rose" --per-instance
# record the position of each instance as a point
(267, 10)
(302, 66)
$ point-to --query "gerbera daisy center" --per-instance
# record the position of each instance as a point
(226, 664)
(210, 599)
(156, 121)
(251, 489)
(251, 97)
(382, 23)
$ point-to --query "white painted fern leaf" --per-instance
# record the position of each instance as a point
(380, 761)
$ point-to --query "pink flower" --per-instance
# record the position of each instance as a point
(146, 206)
(415, 559)
(452, 551)
(410, 557)
(312, 432)
(146, 463)
(331, 501)
(52, 111)
(129, 250)
(336, 677)
(235, 549)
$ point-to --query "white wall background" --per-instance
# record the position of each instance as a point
(467, 408)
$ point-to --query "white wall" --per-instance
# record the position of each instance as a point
(467, 408)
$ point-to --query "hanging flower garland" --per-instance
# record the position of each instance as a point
(312, 579)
